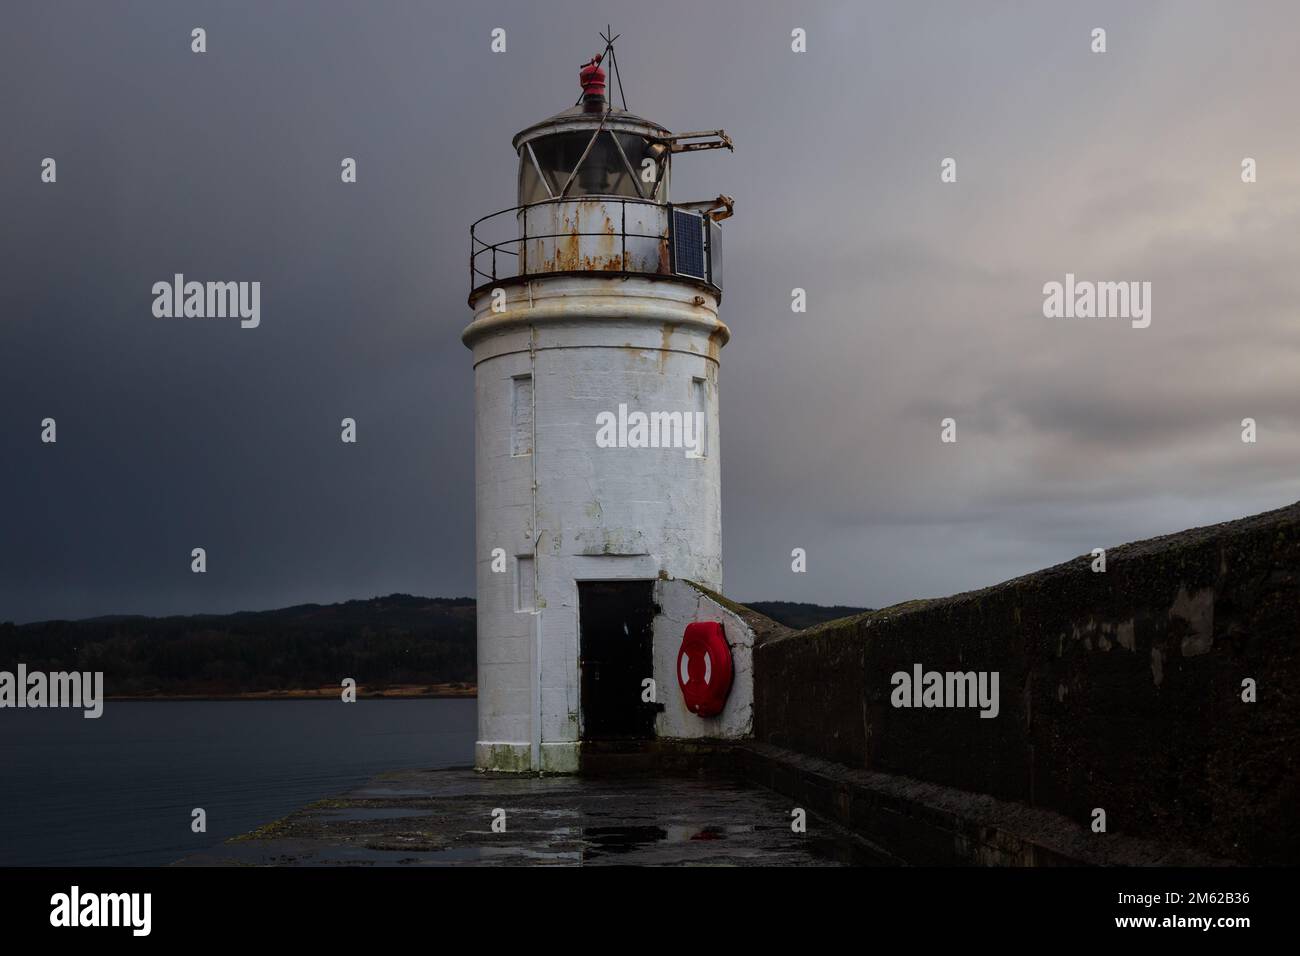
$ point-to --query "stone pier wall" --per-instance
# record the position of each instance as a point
(1120, 691)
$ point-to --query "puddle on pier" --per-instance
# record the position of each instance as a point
(610, 840)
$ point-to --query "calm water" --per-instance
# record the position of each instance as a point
(118, 791)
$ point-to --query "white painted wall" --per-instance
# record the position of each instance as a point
(680, 604)
(589, 343)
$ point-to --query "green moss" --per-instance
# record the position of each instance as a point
(853, 623)
(269, 831)
(503, 758)
(332, 803)
(729, 604)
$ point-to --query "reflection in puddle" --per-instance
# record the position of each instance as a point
(710, 833)
(609, 840)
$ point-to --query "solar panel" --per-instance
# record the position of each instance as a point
(688, 245)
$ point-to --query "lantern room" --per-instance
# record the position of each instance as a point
(593, 196)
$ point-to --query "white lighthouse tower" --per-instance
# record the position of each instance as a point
(596, 341)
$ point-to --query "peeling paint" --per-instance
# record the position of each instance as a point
(717, 339)
(666, 346)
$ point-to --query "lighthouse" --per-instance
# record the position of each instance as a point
(596, 340)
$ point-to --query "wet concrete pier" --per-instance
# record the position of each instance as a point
(444, 817)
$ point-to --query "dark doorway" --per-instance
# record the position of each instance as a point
(614, 619)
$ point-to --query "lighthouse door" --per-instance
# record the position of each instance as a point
(615, 625)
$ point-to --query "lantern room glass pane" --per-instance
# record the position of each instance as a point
(531, 187)
(603, 171)
(638, 150)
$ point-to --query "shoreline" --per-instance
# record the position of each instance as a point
(402, 692)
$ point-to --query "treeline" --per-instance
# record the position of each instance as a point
(798, 616)
(383, 642)
(394, 640)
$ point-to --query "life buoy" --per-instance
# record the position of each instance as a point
(704, 668)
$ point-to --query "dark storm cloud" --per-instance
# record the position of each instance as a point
(924, 300)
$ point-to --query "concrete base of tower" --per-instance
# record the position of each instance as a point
(559, 757)
(503, 757)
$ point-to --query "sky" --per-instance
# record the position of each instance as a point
(924, 298)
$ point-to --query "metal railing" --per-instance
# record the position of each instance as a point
(491, 263)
